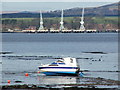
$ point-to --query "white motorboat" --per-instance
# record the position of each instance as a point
(65, 66)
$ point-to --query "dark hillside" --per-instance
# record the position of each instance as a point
(107, 10)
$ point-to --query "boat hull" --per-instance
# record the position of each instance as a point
(60, 74)
(60, 71)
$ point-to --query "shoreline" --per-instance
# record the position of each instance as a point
(64, 86)
(67, 32)
(93, 83)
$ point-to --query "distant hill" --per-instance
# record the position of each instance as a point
(106, 10)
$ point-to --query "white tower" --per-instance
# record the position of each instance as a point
(61, 22)
(82, 28)
(41, 22)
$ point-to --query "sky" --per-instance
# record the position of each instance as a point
(35, 5)
(60, 0)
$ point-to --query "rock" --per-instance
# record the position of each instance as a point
(18, 81)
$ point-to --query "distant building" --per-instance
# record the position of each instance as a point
(91, 30)
(9, 30)
(30, 29)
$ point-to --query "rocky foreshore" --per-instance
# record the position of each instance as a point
(59, 87)
(95, 84)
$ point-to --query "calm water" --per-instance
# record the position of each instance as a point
(30, 50)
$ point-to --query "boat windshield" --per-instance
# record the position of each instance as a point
(54, 63)
(61, 62)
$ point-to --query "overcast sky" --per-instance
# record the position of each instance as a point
(59, 0)
(37, 5)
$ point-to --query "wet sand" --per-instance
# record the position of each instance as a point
(84, 83)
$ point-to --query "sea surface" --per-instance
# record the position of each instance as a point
(30, 50)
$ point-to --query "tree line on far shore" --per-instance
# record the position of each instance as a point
(99, 23)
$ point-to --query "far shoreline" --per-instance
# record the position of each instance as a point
(63, 32)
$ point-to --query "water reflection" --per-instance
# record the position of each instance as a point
(58, 80)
